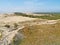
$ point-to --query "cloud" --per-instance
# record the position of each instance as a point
(31, 5)
(33, 2)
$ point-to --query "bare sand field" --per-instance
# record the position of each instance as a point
(15, 19)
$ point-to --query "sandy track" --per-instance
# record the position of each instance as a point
(8, 38)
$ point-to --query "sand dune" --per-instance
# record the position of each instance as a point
(15, 19)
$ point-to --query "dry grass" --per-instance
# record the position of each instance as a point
(41, 35)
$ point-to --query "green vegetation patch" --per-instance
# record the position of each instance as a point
(49, 16)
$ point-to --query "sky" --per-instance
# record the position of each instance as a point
(29, 5)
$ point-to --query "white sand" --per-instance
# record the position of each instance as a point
(15, 19)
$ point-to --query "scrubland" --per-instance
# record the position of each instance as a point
(37, 30)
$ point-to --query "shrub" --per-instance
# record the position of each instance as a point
(15, 25)
(8, 26)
